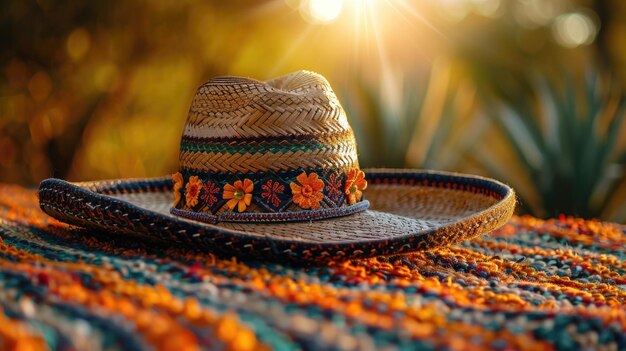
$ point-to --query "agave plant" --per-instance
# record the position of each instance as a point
(567, 140)
(430, 126)
(383, 132)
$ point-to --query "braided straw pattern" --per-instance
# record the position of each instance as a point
(298, 104)
(344, 156)
(240, 128)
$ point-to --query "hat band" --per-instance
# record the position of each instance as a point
(293, 195)
(299, 216)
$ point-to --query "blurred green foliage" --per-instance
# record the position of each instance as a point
(390, 126)
(432, 125)
(567, 137)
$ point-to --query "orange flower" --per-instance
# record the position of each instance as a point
(192, 190)
(309, 193)
(239, 194)
(178, 184)
(355, 184)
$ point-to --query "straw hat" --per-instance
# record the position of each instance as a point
(270, 169)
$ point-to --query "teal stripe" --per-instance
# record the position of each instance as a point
(251, 148)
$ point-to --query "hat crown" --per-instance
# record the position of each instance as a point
(294, 104)
(250, 136)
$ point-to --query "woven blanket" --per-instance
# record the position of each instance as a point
(532, 285)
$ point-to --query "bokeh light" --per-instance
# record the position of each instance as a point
(574, 29)
(78, 44)
(537, 13)
(458, 10)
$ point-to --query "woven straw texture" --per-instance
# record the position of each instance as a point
(267, 134)
(530, 285)
(422, 209)
(233, 107)
(411, 210)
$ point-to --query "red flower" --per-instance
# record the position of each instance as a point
(192, 190)
(209, 194)
(334, 186)
(270, 191)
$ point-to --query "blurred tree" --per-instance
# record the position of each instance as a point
(78, 67)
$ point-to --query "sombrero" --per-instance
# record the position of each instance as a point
(270, 170)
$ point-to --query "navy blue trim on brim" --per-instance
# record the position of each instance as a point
(277, 217)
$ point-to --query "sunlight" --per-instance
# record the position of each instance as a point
(361, 5)
(370, 27)
(325, 11)
(371, 31)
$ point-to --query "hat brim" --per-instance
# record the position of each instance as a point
(410, 210)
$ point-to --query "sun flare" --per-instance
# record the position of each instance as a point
(370, 31)
(325, 11)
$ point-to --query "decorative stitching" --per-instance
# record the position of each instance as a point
(297, 216)
(268, 194)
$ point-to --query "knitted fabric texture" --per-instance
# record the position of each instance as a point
(531, 285)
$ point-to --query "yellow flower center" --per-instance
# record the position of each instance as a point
(239, 194)
(353, 188)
